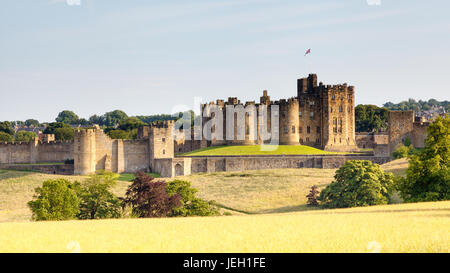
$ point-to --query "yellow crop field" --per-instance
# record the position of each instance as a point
(420, 227)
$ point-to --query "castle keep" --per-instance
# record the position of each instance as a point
(322, 116)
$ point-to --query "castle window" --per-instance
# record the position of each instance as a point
(308, 129)
(331, 109)
(340, 108)
(300, 129)
(318, 129)
(163, 139)
(301, 140)
(300, 113)
(311, 103)
(317, 140)
(307, 139)
(283, 114)
(293, 129)
(334, 121)
(340, 140)
(286, 130)
(311, 114)
(164, 152)
(332, 97)
(342, 97)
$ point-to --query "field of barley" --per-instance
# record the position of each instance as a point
(419, 227)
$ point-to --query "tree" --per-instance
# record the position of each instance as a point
(428, 174)
(358, 183)
(24, 136)
(61, 130)
(370, 118)
(55, 200)
(130, 123)
(97, 202)
(190, 204)
(64, 133)
(118, 134)
(149, 198)
(4, 137)
(68, 117)
(32, 122)
(95, 119)
(6, 127)
(114, 118)
(313, 196)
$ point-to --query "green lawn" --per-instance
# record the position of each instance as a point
(257, 150)
(129, 176)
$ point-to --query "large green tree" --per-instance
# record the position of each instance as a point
(61, 130)
(55, 200)
(428, 174)
(358, 183)
(97, 200)
(370, 118)
(4, 137)
(113, 118)
(32, 122)
(68, 117)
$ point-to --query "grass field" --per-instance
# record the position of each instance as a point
(249, 192)
(257, 150)
(420, 227)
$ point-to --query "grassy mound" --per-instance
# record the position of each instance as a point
(258, 150)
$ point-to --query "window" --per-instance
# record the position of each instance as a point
(318, 129)
(340, 108)
(164, 152)
(317, 140)
(331, 109)
(334, 121)
(163, 139)
(283, 114)
(311, 114)
(293, 129)
(301, 140)
(308, 129)
(332, 97)
(300, 129)
(286, 130)
(311, 102)
(307, 139)
(300, 113)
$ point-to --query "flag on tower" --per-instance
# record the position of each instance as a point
(308, 51)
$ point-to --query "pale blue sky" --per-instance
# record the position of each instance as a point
(146, 57)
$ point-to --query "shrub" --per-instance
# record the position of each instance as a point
(150, 199)
(428, 174)
(403, 151)
(97, 202)
(313, 196)
(190, 204)
(357, 183)
(55, 200)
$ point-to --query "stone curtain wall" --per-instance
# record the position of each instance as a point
(36, 152)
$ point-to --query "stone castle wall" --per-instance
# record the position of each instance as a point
(36, 152)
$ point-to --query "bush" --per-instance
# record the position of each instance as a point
(428, 174)
(190, 205)
(357, 183)
(97, 202)
(403, 151)
(64, 134)
(150, 199)
(55, 200)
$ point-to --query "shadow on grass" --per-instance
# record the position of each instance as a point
(332, 211)
(7, 174)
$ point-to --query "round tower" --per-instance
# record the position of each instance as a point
(84, 152)
(289, 122)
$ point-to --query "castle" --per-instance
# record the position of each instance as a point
(322, 116)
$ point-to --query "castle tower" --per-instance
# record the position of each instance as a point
(289, 122)
(161, 141)
(84, 152)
